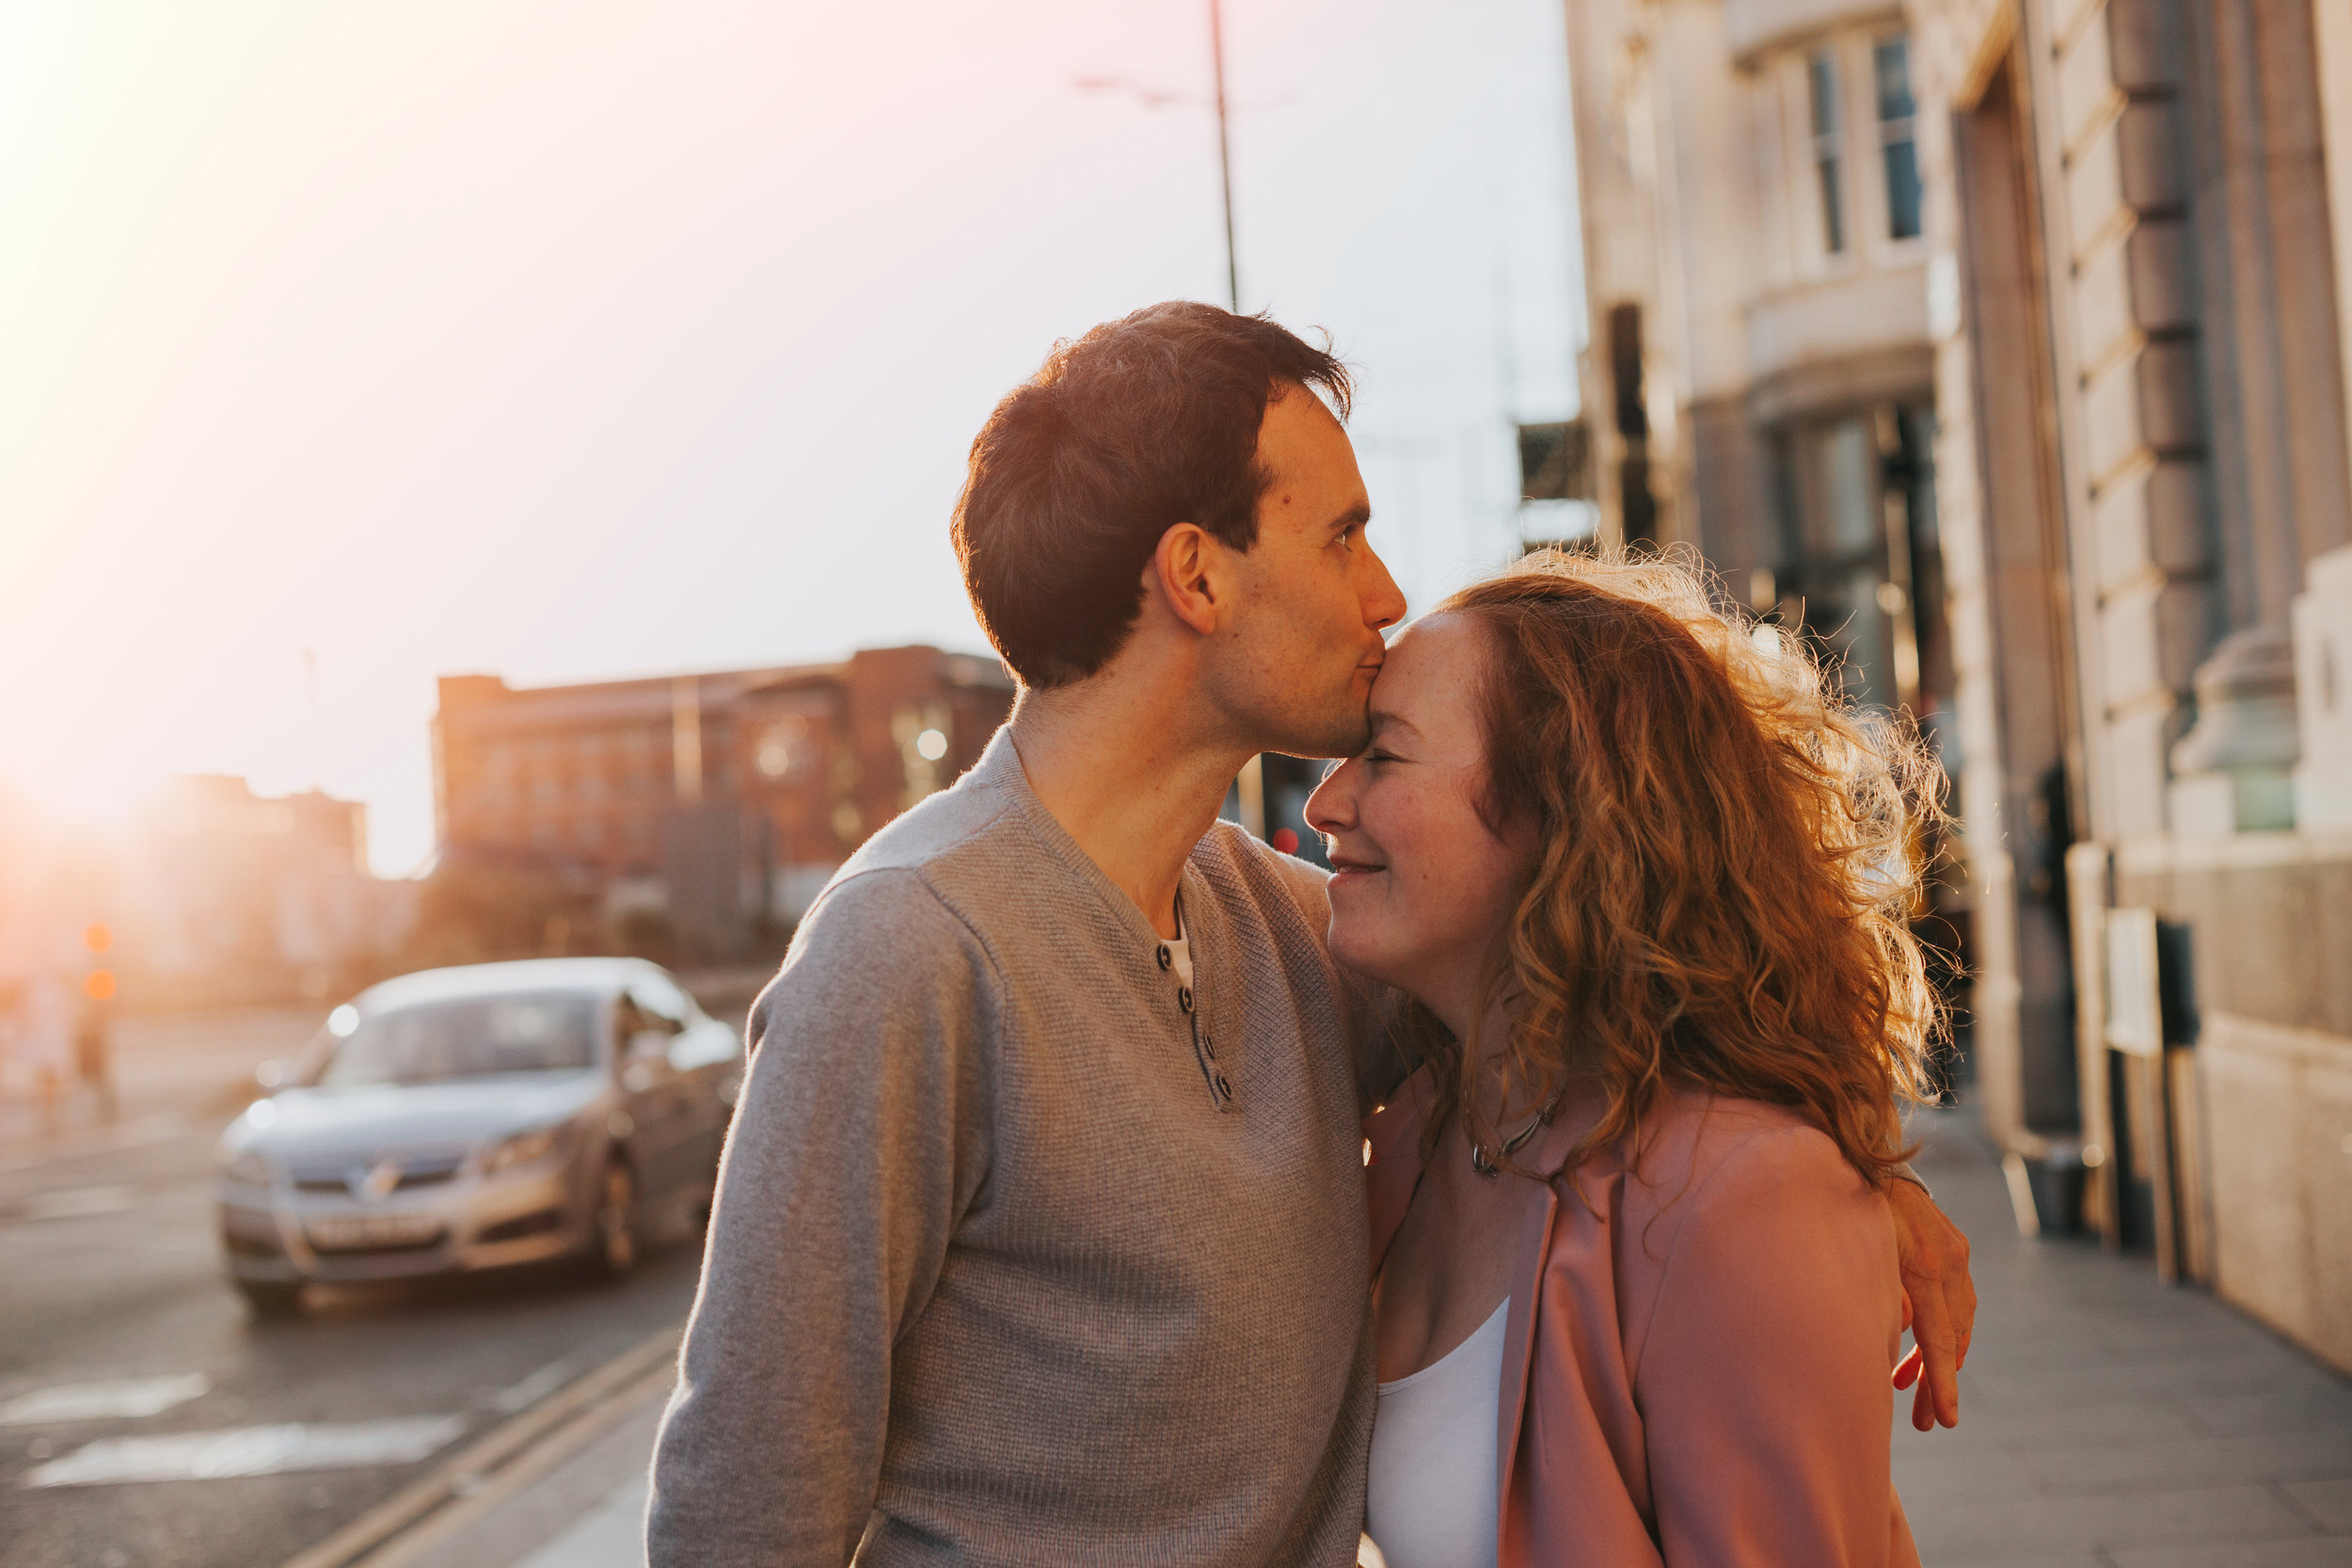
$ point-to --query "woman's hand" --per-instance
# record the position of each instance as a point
(1939, 1304)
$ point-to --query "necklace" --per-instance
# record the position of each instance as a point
(1487, 1164)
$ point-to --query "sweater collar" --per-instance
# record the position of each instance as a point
(1000, 769)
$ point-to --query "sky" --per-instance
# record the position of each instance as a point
(343, 346)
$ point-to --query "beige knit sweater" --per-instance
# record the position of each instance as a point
(1013, 1264)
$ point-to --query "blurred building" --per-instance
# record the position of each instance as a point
(219, 893)
(2095, 256)
(710, 806)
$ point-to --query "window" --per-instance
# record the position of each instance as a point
(1821, 73)
(431, 1042)
(1891, 66)
(662, 1003)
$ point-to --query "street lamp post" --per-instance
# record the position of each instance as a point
(1154, 99)
(1224, 156)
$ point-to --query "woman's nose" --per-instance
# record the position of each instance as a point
(1332, 807)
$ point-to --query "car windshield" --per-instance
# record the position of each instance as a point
(430, 1042)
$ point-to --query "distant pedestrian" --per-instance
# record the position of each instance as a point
(93, 1048)
(45, 1041)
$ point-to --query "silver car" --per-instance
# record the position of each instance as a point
(478, 1118)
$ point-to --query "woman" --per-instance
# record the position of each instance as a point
(1635, 1277)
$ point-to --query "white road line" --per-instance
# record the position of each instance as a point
(266, 1450)
(123, 1399)
(531, 1390)
(79, 1203)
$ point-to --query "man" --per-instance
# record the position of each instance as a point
(1040, 1231)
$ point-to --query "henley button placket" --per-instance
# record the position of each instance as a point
(1203, 1049)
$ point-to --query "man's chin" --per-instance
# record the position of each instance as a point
(1339, 733)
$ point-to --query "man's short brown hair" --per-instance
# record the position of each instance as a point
(1145, 422)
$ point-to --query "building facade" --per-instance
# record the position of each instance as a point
(710, 806)
(2121, 311)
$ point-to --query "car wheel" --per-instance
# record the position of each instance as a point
(616, 1222)
(271, 1298)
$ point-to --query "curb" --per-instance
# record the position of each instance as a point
(498, 1463)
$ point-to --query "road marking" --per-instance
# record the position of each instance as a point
(443, 1533)
(531, 1390)
(77, 1203)
(473, 1476)
(265, 1450)
(124, 1398)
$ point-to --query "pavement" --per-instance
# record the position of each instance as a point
(2107, 1420)
(172, 1069)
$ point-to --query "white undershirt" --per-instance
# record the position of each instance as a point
(1432, 1501)
(1179, 958)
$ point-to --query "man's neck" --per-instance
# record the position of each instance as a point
(1126, 777)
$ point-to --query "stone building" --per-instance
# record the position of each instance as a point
(714, 805)
(2122, 313)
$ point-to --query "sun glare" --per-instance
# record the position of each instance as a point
(83, 795)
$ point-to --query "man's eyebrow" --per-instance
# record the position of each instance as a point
(1358, 516)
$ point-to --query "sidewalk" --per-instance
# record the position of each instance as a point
(2107, 1422)
(2111, 1421)
(190, 1066)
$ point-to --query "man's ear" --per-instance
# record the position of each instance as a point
(1188, 570)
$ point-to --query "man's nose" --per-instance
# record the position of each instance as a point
(1383, 606)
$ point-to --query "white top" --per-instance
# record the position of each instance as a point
(1179, 958)
(1179, 949)
(1432, 1499)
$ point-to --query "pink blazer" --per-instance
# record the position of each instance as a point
(1697, 1357)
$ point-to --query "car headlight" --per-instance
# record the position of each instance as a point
(523, 1149)
(249, 1167)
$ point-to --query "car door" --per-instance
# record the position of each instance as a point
(708, 1058)
(653, 1093)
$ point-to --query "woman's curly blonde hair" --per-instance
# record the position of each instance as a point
(1726, 858)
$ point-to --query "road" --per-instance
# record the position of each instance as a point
(115, 1324)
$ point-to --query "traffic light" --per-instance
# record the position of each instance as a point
(99, 983)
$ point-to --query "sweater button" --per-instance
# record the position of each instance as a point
(1224, 1087)
(1165, 956)
(1208, 1048)
(1184, 997)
